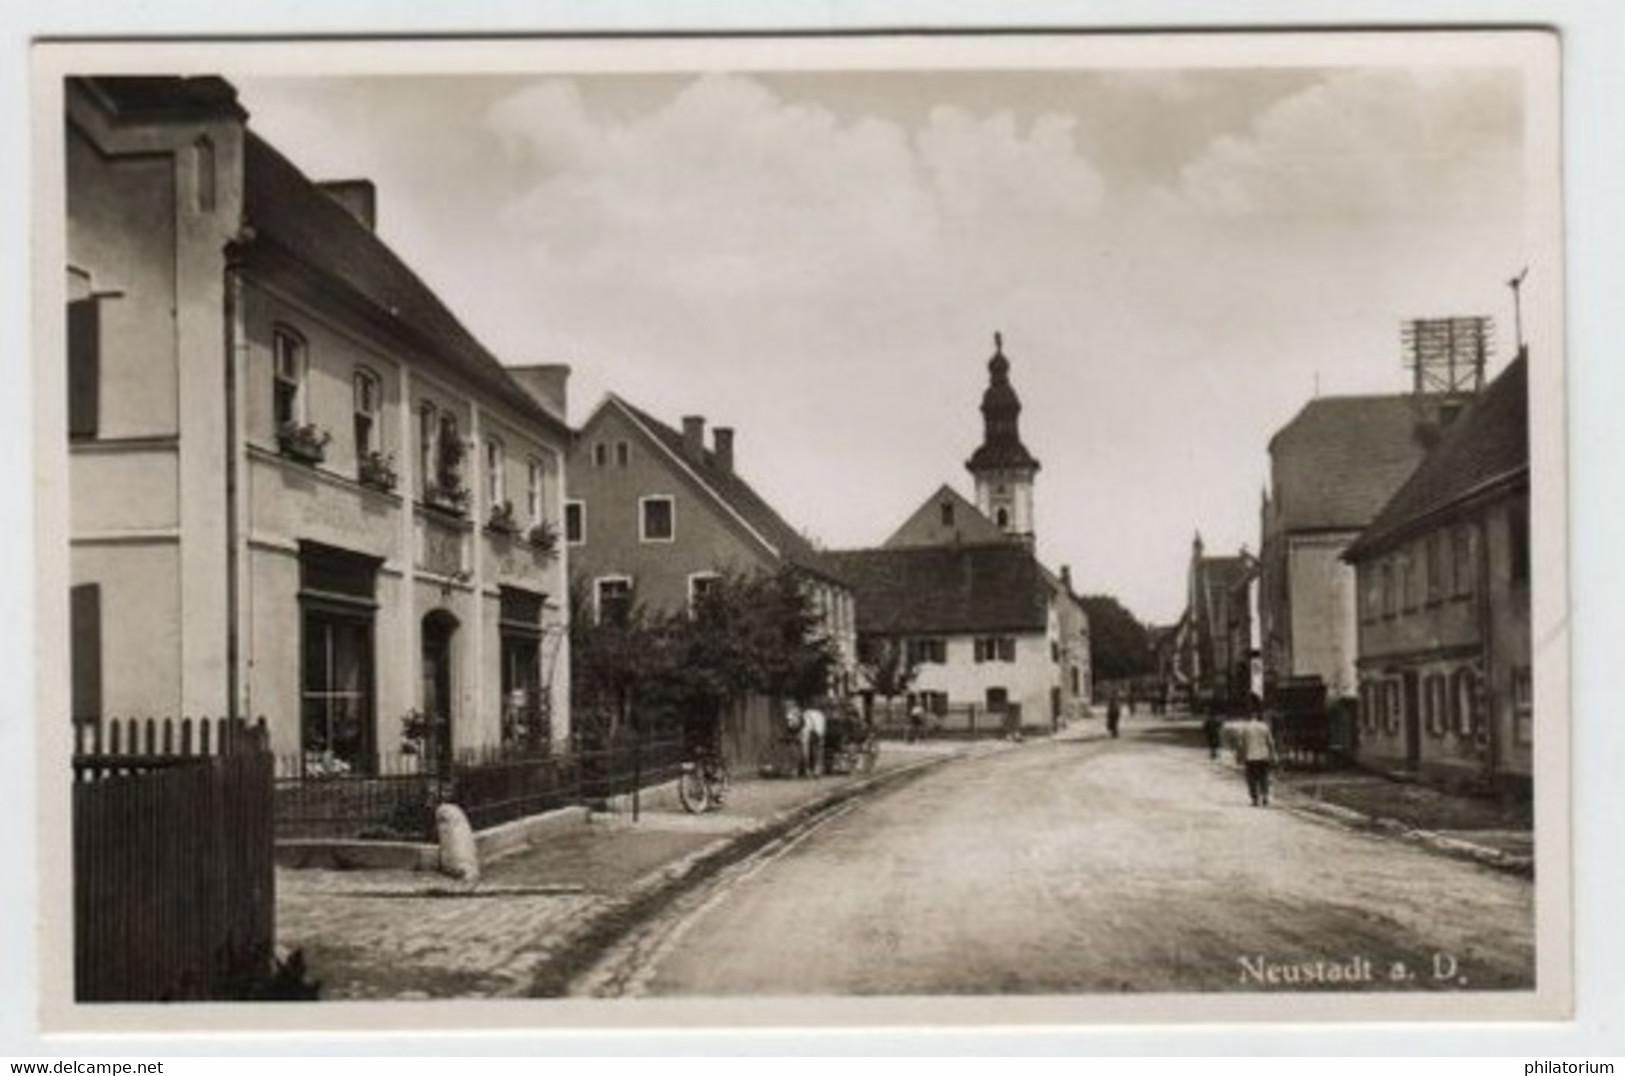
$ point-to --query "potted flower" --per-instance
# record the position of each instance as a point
(303, 441)
(544, 537)
(452, 497)
(502, 519)
(377, 470)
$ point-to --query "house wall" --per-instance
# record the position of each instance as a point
(431, 561)
(145, 239)
(1474, 641)
(706, 538)
(1323, 637)
(1028, 679)
(186, 399)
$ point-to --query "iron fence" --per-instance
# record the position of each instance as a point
(396, 798)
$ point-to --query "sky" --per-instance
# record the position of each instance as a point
(1178, 260)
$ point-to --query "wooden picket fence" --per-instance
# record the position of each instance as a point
(173, 862)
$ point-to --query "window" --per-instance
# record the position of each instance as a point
(428, 432)
(448, 454)
(1461, 541)
(700, 586)
(600, 454)
(203, 175)
(1435, 566)
(623, 453)
(1407, 580)
(575, 522)
(533, 490)
(496, 477)
(525, 712)
(1466, 702)
(927, 651)
(288, 360)
(85, 651)
(367, 399)
(1523, 706)
(1436, 704)
(932, 702)
(1518, 542)
(995, 648)
(1003, 519)
(84, 368)
(1387, 585)
(656, 519)
(336, 594)
(947, 510)
(613, 597)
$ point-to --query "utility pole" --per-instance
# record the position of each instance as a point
(1516, 284)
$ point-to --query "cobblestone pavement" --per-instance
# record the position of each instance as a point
(403, 934)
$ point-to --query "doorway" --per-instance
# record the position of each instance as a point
(439, 629)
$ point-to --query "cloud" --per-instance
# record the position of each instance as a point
(1371, 143)
(729, 189)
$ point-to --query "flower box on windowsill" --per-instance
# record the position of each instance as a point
(303, 442)
(502, 520)
(452, 499)
(544, 537)
(377, 471)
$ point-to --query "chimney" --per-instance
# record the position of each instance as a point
(694, 436)
(1066, 577)
(545, 383)
(358, 197)
(722, 443)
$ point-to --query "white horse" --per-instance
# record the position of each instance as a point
(809, 727)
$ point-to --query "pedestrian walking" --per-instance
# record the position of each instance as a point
(1114, 714)
(1256, 750)
(916, 723)
(1213, 730)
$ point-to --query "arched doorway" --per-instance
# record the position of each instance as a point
(438, 700)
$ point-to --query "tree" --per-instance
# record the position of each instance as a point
(1119, 645)
(887, 667)
(747, 633)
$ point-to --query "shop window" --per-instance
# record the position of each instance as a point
(526, 717)
(336, 595)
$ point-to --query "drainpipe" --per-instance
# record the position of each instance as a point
(232, 307)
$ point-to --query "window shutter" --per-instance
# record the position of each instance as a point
(84, 368)
(85, 635)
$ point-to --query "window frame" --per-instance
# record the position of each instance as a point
(496, 473)
(288, 343)
(644, 504)
(698, 581)
(578, 509)
(598, 584)
(363, 381)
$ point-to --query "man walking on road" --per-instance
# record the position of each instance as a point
(1257, 755)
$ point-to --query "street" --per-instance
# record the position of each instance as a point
(1081, 867)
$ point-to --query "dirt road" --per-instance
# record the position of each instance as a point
(1082, 867)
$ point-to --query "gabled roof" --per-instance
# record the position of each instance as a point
(1339, 460)
(1486, 447)
(945, 590)
(288, 214)
(732, 491)
(925, 527)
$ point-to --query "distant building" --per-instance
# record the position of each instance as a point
(1444, 572)
(654, 516)
(1332, 468)
(991, 632)
(1214, 642)
(300, 488)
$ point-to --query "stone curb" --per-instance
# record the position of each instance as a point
(1494, 858)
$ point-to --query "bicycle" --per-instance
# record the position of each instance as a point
(704, 782)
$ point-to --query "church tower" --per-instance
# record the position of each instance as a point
(1002, 466)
